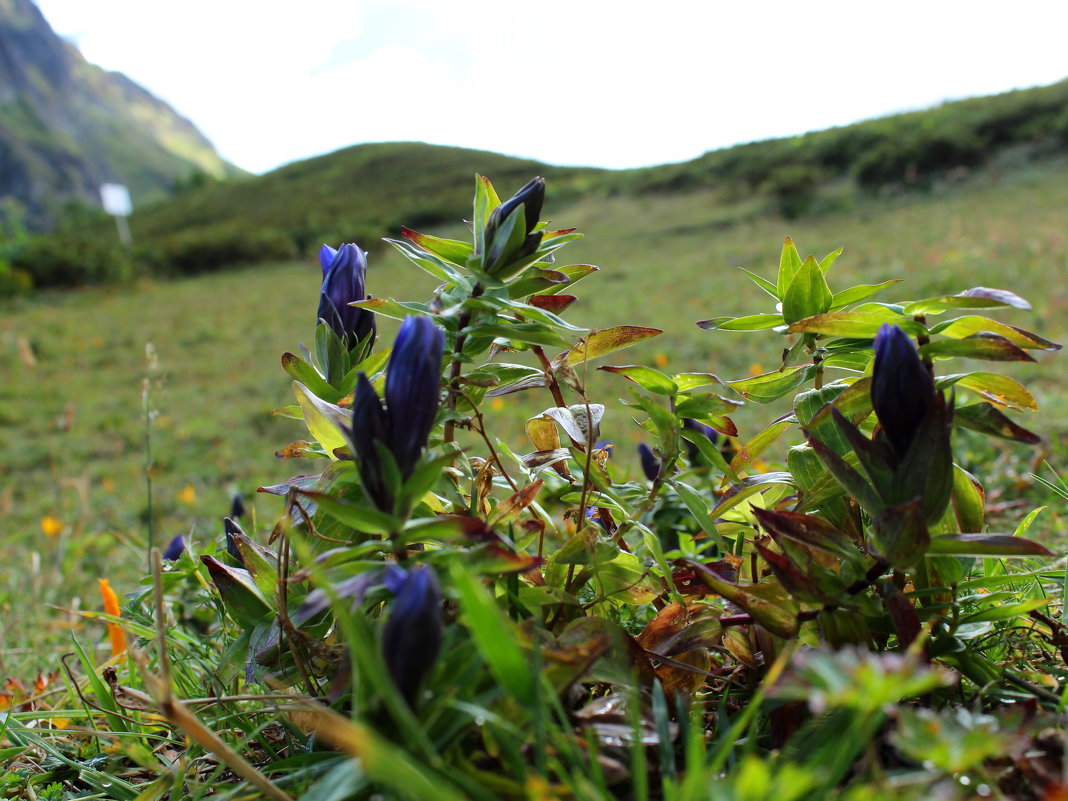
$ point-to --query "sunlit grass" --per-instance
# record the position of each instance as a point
(73, 431)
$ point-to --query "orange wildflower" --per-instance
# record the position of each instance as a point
(111, 607)
(51, 526)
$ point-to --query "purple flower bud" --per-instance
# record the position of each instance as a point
(530, 198)
(650, 464)
(411, 637)
(174, 549)
(344, 276)
(237, 506)
(412, 397)
(902, 389)
(413, 389)
(230, 528)
(370, 427)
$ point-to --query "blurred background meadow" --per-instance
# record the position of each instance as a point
(138, 383)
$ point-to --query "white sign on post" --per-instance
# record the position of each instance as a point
(116, 200)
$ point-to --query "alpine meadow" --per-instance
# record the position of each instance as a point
(412, 472)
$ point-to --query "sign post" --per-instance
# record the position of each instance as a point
(116, 200)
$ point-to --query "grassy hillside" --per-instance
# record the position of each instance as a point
(72, 424)
(368, 191)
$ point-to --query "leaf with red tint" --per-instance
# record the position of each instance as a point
(987, 419)
(609, 340)
(991, 347)
(449, 249)
(814, 532)
(551, 303)
(510, 508)
(769, 604)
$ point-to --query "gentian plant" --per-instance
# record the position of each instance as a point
(555, 624)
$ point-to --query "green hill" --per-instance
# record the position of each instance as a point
(366, 192)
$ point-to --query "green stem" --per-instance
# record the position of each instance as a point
(455, 370)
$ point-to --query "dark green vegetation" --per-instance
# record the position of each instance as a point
(66, 126)
(549, 708)
(369, 191)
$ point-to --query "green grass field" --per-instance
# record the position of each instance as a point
(73, 493)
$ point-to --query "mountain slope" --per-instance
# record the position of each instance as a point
(66, 126)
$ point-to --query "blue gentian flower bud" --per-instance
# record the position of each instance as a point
(237, 506)
(412, 396)
(530, 198)
(369, 427)
(344, 278)
(174, 549)
(650, 464)
(692, 450)
(412, 389)
(902, 389)
(411, 637)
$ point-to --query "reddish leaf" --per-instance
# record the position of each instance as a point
(551, 303)
(601, 343)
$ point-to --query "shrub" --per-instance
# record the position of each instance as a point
(215, 248)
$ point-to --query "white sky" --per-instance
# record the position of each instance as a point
(610, 84)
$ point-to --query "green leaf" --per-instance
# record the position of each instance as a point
(808, 293)
(973, 324)
(486, 201)
(360, 518)
(987, 419)
(980, 297)
(969, 500)
(451, 250)
(899, 534)
(747, 488)
(763, 283)
(855, 294)
(751, 450)
(495, 637)
(851, 481)
(994, 387)
(698, 506)
(609, 340)
(429, 263)
(309, 377)
(240, 595)
(710, 452)
(751, 322)
(789, 264)
(324, 420)
(1003, 545)
(586, 547)
(806, 406)
(805, 466)
(767, 387)
(548, 281)
(645, 377)
(998, 612)
(395, 310)
(706, 406)
(858, 324)
(978, 346)
(530, 333)
(828, 261)
(769, 603)
(688, 381)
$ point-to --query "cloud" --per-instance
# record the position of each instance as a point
(566, 81)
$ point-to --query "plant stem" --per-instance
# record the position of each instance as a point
(454, 371)
(550, 374)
